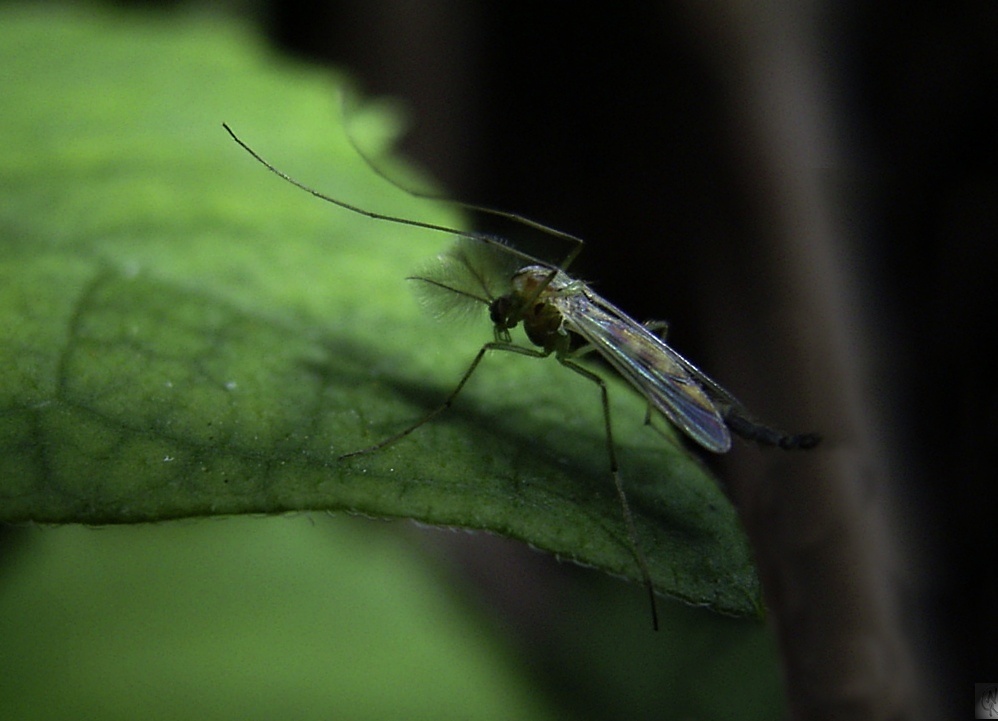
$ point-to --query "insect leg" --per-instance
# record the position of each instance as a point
(658, 327)
(577, 243)
(450, 398)
(618, 483)
(583, 350)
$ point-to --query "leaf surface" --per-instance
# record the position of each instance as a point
(183, 334)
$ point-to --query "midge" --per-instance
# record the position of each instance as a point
(557, 313)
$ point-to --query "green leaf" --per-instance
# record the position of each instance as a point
(183, 334)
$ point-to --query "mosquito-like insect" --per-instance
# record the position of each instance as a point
(556, 310)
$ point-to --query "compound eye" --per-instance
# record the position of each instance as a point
(499, 312)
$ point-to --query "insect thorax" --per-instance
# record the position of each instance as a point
(529, 301)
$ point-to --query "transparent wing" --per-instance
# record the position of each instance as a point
(471, 273)
(653, 368)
